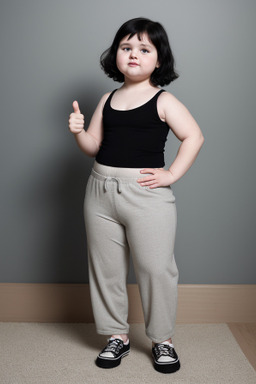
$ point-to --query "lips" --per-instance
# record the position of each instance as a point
(133, 64)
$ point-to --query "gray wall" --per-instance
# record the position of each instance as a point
(49, 57)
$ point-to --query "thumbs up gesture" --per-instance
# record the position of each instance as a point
(76, 120)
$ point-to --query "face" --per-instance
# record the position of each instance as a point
(136, 59)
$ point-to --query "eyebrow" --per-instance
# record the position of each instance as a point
(141, 45)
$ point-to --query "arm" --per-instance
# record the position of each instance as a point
(89, 141)
(187, 131)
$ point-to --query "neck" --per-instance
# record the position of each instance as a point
(139, 85)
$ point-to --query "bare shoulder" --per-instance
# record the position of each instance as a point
(167, 99)
(105, 96)
(169, 105)
(104, 99)
(96, 124)
(99, 109)
(177, 116)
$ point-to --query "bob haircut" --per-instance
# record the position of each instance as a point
(163, 75)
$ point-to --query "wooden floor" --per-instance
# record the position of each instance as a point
(245, 334)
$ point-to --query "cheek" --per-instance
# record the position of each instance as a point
(119, 60)
(151, 63)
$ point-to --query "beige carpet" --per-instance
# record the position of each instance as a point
(57, 353)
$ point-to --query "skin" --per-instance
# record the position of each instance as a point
(137, 59)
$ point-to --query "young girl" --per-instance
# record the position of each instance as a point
(129, 203)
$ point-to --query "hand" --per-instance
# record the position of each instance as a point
(159, 178)
(76, 120)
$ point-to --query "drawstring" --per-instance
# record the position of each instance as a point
(112, 178)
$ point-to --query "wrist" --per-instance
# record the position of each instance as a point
(171, 177)
(78, 133)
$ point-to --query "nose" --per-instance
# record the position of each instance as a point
(133, 54)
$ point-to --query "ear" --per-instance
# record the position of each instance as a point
(157, 64)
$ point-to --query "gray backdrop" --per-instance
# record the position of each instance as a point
(49, 57)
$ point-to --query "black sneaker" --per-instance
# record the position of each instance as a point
(112, 354)
(165, 358)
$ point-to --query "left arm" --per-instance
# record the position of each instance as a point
(187, 131)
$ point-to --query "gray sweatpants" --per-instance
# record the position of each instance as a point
(123, 217)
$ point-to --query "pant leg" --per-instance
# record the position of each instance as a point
(151, 230)
(108, 259)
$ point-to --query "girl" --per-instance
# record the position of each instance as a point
(129, 203)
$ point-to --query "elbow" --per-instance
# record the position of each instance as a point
(97, 143)
(97, 148)
(93, 152)
(198, 141)
(201, 139)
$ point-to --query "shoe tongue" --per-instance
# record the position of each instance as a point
(114, 338)
(167, 343)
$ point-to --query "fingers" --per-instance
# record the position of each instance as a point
(153, 186)
(146, 179)
(148, 170)
(153, 180)
(76, 107)
(150, 183)
(76, 119)
(159, 178)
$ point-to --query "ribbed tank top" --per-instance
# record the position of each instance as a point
(133, 138)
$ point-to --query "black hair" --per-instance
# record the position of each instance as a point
(163, 75)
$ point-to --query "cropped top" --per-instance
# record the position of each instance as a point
(133, 138)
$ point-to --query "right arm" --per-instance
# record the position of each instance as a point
(89, 141)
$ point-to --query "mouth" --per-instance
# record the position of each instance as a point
(133, 64)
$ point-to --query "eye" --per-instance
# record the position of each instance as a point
(144, 50)
(126, 49)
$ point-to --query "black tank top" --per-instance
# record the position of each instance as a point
(134, 138)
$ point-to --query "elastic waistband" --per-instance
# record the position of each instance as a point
(101, 171)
